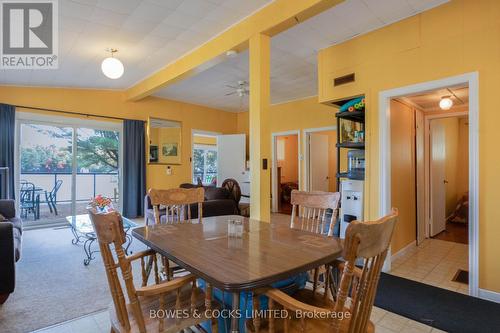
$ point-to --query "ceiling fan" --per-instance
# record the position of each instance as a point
(241, 89)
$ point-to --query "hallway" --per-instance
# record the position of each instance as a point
(435, 262)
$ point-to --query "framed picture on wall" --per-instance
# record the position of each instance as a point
(170, 150)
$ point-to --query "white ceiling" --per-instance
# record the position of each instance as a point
(429, 101)
(152, 33)
(294, 54)
(149, 34)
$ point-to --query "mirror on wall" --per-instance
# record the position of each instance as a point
(164, 141)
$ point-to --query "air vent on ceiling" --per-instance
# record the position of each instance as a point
(338, 81)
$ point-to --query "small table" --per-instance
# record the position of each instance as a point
(266, 253)
(83, 232)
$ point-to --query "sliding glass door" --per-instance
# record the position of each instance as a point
(62, 165)
(97, 166)
(46, 166)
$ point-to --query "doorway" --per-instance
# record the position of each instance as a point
(62, 163)
(205, 159)
(321, 159)
(430, 161)
(285, 170)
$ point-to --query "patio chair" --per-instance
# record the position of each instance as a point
(51, 197)
(29, 200)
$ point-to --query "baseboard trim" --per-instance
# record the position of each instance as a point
(489, 295)
(404, 250)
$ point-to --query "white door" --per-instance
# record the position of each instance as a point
(231, 160)
(419, 149)
(318, 162)
(437, 170)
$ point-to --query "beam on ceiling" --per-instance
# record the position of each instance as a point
(276, 17)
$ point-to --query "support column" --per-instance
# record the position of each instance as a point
(260, 82)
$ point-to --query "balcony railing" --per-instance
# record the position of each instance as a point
(88, 184)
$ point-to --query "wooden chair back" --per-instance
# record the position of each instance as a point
(111, 237)
(310, 210)
(368, 241)
(177, 202)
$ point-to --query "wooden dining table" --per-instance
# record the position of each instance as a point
(266, 252)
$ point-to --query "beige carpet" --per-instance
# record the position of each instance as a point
(52, 284)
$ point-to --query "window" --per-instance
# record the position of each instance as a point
(205, 164)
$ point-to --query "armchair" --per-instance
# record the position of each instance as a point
(10, 247)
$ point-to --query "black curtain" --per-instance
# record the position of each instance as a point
(134, 168)
(7, 130)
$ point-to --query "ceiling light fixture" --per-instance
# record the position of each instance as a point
(111, 66)
(445, 103)
(231, 53)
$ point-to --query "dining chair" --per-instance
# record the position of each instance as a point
(315, 212)
(351, 309)
(177, 202)
(177, 205)
(136, 311)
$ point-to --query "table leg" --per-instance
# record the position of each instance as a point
(235, 320)
(88, 251)
(76, 239)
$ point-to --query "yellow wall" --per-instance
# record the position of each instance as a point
(296, 115)
(289, 163)
(458, 37)
(112, 103)
(205, 140)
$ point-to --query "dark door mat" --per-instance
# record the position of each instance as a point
(461, 276)
(436, 307)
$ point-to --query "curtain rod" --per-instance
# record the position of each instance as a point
(73, 113)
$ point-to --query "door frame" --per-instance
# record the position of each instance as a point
(199, 132)
(307, 153)
(274, 167)
(74, 123)
(427, 164)
(384, 126)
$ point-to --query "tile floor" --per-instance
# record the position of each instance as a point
(434, 262)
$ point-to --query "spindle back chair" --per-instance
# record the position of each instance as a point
(313, 211)
(133, 315)
(177, 202)
(351, 310)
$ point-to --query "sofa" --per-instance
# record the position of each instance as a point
(222, 200)
(10, 247)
